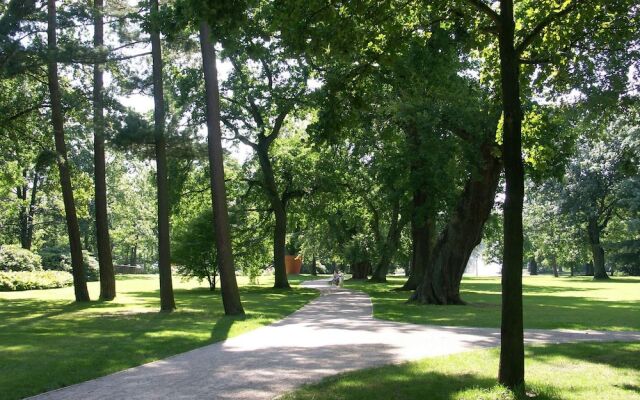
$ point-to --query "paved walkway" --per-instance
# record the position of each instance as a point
(332, 334)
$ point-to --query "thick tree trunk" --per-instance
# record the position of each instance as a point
(57, 118)
(279, 241)
(597, 251)
(532, 266)
(228, 283)
(314, 272)
(280, 214)
(360, 269)
(167, 302)
(554, 266)
(105, 260)
(389, 246)
(463, 232)
(511, 370)
(422, 238)
(133, 260)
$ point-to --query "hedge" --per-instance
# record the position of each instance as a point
(29, 280)
(15, 258)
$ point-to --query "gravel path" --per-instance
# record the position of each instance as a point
(332, 334)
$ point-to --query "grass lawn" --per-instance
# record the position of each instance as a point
(549, 303)
(569, 372)
(47, 341)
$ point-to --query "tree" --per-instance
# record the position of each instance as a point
(594, 184)
(107, 274)
(57, 118)
(167, 302)
(551, 38)
(257, 102)
(230, 294)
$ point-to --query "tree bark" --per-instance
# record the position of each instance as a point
(463, 232)
(21, 193)
(314, 272)
(511, 370)
(532, 266)
(389, 246)
(597, 251)
(32, 211)
(228, 284)
(554, 266)
(105, 260)
(57, 118)
(280, 214)
(360, 269)
(422, 220)
(167, 302)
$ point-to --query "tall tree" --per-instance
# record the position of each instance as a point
(167, 302)
(57, 118)
(258, 103)
(229, 286)
(571, 32)
(107, 274)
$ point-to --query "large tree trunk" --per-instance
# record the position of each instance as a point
(554, 266)
(532, 266)
(105, 260)
(597, 251)
(463, 232)
(280, 214)
(224, 254)
(167, 302)
(422, 238)
(360, 269)
(314, 272)
(511, 370)
(389, 246)
(73, 229)
(279, 241)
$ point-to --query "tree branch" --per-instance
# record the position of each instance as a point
(538, 61)
(484, 8)
(237, 134)
(254, 110)
(277, 125)
(548, 20)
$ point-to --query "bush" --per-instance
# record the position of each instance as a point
(56, 259)
(29, 280)
(15, 258)
(91, 266)
(59, 259)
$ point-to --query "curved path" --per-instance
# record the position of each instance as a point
(332, 334)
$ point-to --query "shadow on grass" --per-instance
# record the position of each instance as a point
(550, 307)
(625, 354)
(407, 382)
(470, 376)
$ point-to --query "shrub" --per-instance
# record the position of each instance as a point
(91, 266)
(56, 259)
(29, 280)
(15, 258)
(59, 259)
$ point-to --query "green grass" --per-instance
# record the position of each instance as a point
(559, 372)
(47, 341)
(549, 303)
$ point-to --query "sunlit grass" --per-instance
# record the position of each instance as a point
(569, 372)
(549, 303)
(48, 341)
